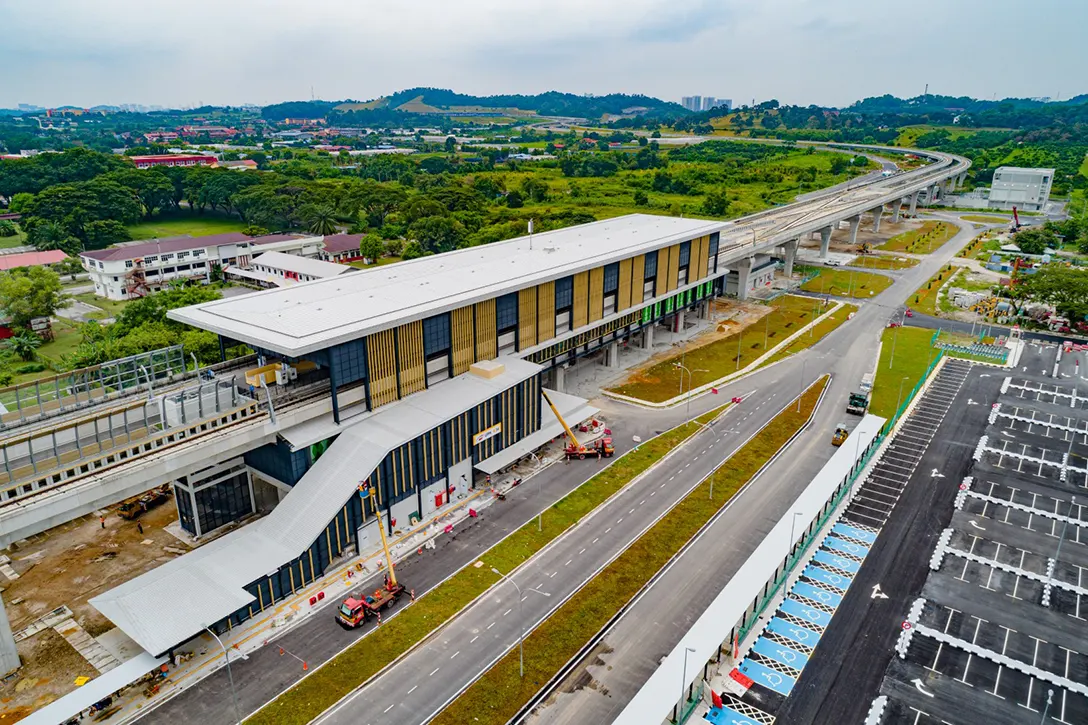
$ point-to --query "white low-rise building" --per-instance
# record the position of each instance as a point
(277, 269)
(135, 269)
(1025, 189)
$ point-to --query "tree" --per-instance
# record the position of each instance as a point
(1034, 240)
(716, 203)
(101, 234)
(24, 344)
(839, 164)
(534, 189)
(412, 250)
(7, 228)
(451, 144)
(371, 247)
(252, 230)
(437, 234)
(70, 266)
(1064, 287)
(30, 292)
(46, 235)
(419, 207)
(642, 140)
(514, 200)
(151, 188)
(640, 198)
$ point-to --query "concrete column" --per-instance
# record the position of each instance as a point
(791, 255)
(825, 241)
(744, 277)
(855, 222)
(560, 379)
(679, 325)
(614, 355)
(896, 208)
(963, 179)
(914, 202)
(647, 337)
(877, 213)
(9, 656)
(932, 195)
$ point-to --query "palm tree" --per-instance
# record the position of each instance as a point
(25, 344)
(321, 220)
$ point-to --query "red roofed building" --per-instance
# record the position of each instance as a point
(160, 136)
(341, 248)
(213, 131)
(31, 259)
(146, 162)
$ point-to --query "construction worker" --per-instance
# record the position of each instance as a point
(102, 520)
(140, 527)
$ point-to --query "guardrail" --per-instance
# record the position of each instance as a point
(69, 473)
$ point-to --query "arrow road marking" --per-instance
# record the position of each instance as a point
(918, 685)
(877, 593)
(936, 474)
(980, 528)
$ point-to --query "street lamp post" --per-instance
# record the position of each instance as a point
(230, 676)
(521, 637)
(793, 526)
(684, 369)
(684, 677)
(899, 400)
(1049, 702)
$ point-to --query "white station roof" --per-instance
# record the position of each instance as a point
(316, 315)
(175, 601)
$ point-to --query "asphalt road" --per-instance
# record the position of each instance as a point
(265, 674)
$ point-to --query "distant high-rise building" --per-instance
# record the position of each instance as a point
(705, 103)
(692, 103)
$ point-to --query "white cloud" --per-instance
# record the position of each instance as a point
(802, 51)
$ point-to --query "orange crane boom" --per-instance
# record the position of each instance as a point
(570, 433)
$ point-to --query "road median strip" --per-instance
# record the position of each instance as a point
(501, 692)
(338, 677)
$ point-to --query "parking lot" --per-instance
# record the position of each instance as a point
(998, 633)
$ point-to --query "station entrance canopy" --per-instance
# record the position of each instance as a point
(176, 601)
(573, 409)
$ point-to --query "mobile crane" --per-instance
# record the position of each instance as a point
(354, 610)
(602, 448)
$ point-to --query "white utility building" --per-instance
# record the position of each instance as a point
(1026, 189)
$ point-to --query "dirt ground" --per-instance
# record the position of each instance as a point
(68, 565)
(840, 238)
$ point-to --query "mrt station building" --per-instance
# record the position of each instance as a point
(433, 368)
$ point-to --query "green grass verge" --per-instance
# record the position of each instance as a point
(986, 219)
(847, 283)
(110, 308)
(912, 355)
(359, 264)
(883, 261)
(924, 298)
(922, 240)
(328, 684)
(181, 223)
(501, 691)
(719, 358)
(818, 331)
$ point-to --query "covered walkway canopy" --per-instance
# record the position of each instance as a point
(75, 702)
(174, 602)
(573, 409)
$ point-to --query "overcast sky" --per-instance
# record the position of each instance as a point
(828, 52)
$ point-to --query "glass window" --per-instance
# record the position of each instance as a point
(506, 312)
(650, 270)
(564, 293)
(682, 278)
(436, 334)
(151, 258)
(128, 264)
(685, 253)
(611, 277)
(714, 243)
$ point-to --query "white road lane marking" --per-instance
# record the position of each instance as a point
(436, 669)
(390, 707)
(506, 612)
